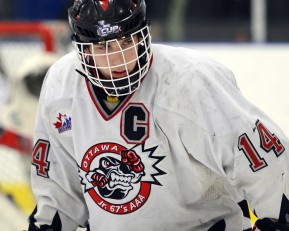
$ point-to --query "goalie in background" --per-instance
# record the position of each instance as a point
(18, 102)
(19, 111)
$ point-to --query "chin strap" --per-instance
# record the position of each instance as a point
(81, 73)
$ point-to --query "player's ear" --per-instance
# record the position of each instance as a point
(87, 49)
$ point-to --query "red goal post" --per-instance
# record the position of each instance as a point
(28, 29)
(20, 40)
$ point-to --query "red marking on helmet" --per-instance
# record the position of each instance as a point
(104, 4)
(134, 3)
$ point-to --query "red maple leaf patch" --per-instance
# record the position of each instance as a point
(58, 124)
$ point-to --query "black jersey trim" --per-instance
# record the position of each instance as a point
(97, 97)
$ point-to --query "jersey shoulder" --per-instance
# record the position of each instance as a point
(60, 78)
(62, 69)
(185, 63)
(200, 89)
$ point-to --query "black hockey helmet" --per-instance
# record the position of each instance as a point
(97, 20)
(106, 22)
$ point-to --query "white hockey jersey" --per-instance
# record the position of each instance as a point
(171, 156)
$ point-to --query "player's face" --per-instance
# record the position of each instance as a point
(116, 58)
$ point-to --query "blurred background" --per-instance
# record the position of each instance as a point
(182, 20)
(251, 37)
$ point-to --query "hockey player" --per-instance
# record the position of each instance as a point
(134, 136)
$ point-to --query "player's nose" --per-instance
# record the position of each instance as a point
(117, 60)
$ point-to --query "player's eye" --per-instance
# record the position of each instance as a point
(99, 47)
(127, 41)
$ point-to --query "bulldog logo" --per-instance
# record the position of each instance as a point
(115, 177)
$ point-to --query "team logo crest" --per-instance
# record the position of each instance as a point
(118, 179)
(63, 123)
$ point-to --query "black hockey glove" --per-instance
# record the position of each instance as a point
(268, 224)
